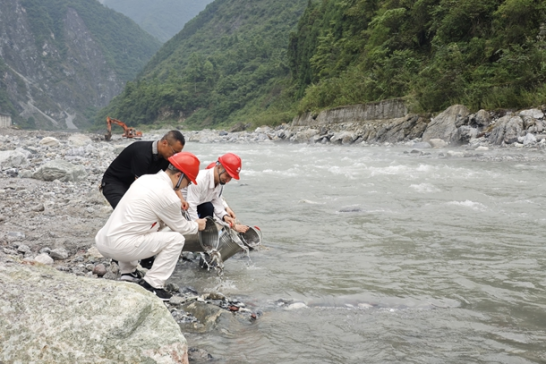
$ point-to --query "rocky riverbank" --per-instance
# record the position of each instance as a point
(61, 300)
(455, 126)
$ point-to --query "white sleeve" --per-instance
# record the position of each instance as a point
(171, 215)
(224, 202)
(192, 197)
(219, 211)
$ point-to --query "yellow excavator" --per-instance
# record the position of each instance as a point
(128, 132)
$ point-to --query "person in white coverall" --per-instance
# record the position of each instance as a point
(131, 233)
(205, 198)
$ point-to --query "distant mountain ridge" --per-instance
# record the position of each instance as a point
(161, 18)
(61, 60)
(225, 66)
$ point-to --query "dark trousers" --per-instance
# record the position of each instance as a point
(205, 210)
(113, 191)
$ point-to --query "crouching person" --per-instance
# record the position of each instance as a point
(131, 233)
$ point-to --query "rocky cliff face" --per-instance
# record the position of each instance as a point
(51, 82)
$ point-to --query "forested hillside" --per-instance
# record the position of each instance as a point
(484, 54)
(226, 65)
(161, 18)
(245, 61)
(62, 60)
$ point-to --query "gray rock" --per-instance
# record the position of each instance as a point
(79, 140)
(12, 172)
(60, 170)
(59, 254)
(99, 270)
(444, 126)
(532, 113)
(529, 139)
(507, 129)
(49, 141)
(44, 258)
(23, 248)
(84, 320)
(38, 208)
(479, 120)
(176, 300)
(12, 159)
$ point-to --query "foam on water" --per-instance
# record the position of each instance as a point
(469, 204)
(424, 188)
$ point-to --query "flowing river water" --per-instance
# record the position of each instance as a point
(373, 255)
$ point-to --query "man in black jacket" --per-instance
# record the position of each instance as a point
(137, 159)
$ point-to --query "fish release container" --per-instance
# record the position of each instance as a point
(252, 238)
(208, 238)
(231, 242)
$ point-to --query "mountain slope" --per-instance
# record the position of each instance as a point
(62, 59)
(161, 18)
(227, 65)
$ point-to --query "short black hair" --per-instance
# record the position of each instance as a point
(173, 136)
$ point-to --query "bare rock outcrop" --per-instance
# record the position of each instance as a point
(52, 317)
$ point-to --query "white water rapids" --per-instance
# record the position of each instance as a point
(397, 257)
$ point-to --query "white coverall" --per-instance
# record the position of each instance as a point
(131, 232)
(204, 192)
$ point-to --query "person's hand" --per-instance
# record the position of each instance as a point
(231, 213)
(184, 204)
(202, 222)
(229, 220)
(241, 228)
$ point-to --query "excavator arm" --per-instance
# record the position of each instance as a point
(128, 132)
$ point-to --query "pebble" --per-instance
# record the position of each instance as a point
(176, 300)
(44, 258)
(59, 254)
(38, 208)
(99, 270)
(23, 248)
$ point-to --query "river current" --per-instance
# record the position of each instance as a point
(374, 255)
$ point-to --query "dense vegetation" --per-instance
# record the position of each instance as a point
(484, 54)
(228, 64)
(245, 61)
(161, 18)
(125, 46)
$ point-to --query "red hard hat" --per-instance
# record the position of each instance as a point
(211, 165)
(186, 162)
(232, 164)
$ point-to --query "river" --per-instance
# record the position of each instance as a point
(398, 257)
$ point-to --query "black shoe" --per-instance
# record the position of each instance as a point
(132, 276)
(161, 293)
(147, 263)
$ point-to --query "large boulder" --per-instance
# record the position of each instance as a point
(507, 129)
(79, 140)
(51, 317)
(60, 170)
(444, 125)
(14, 158)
